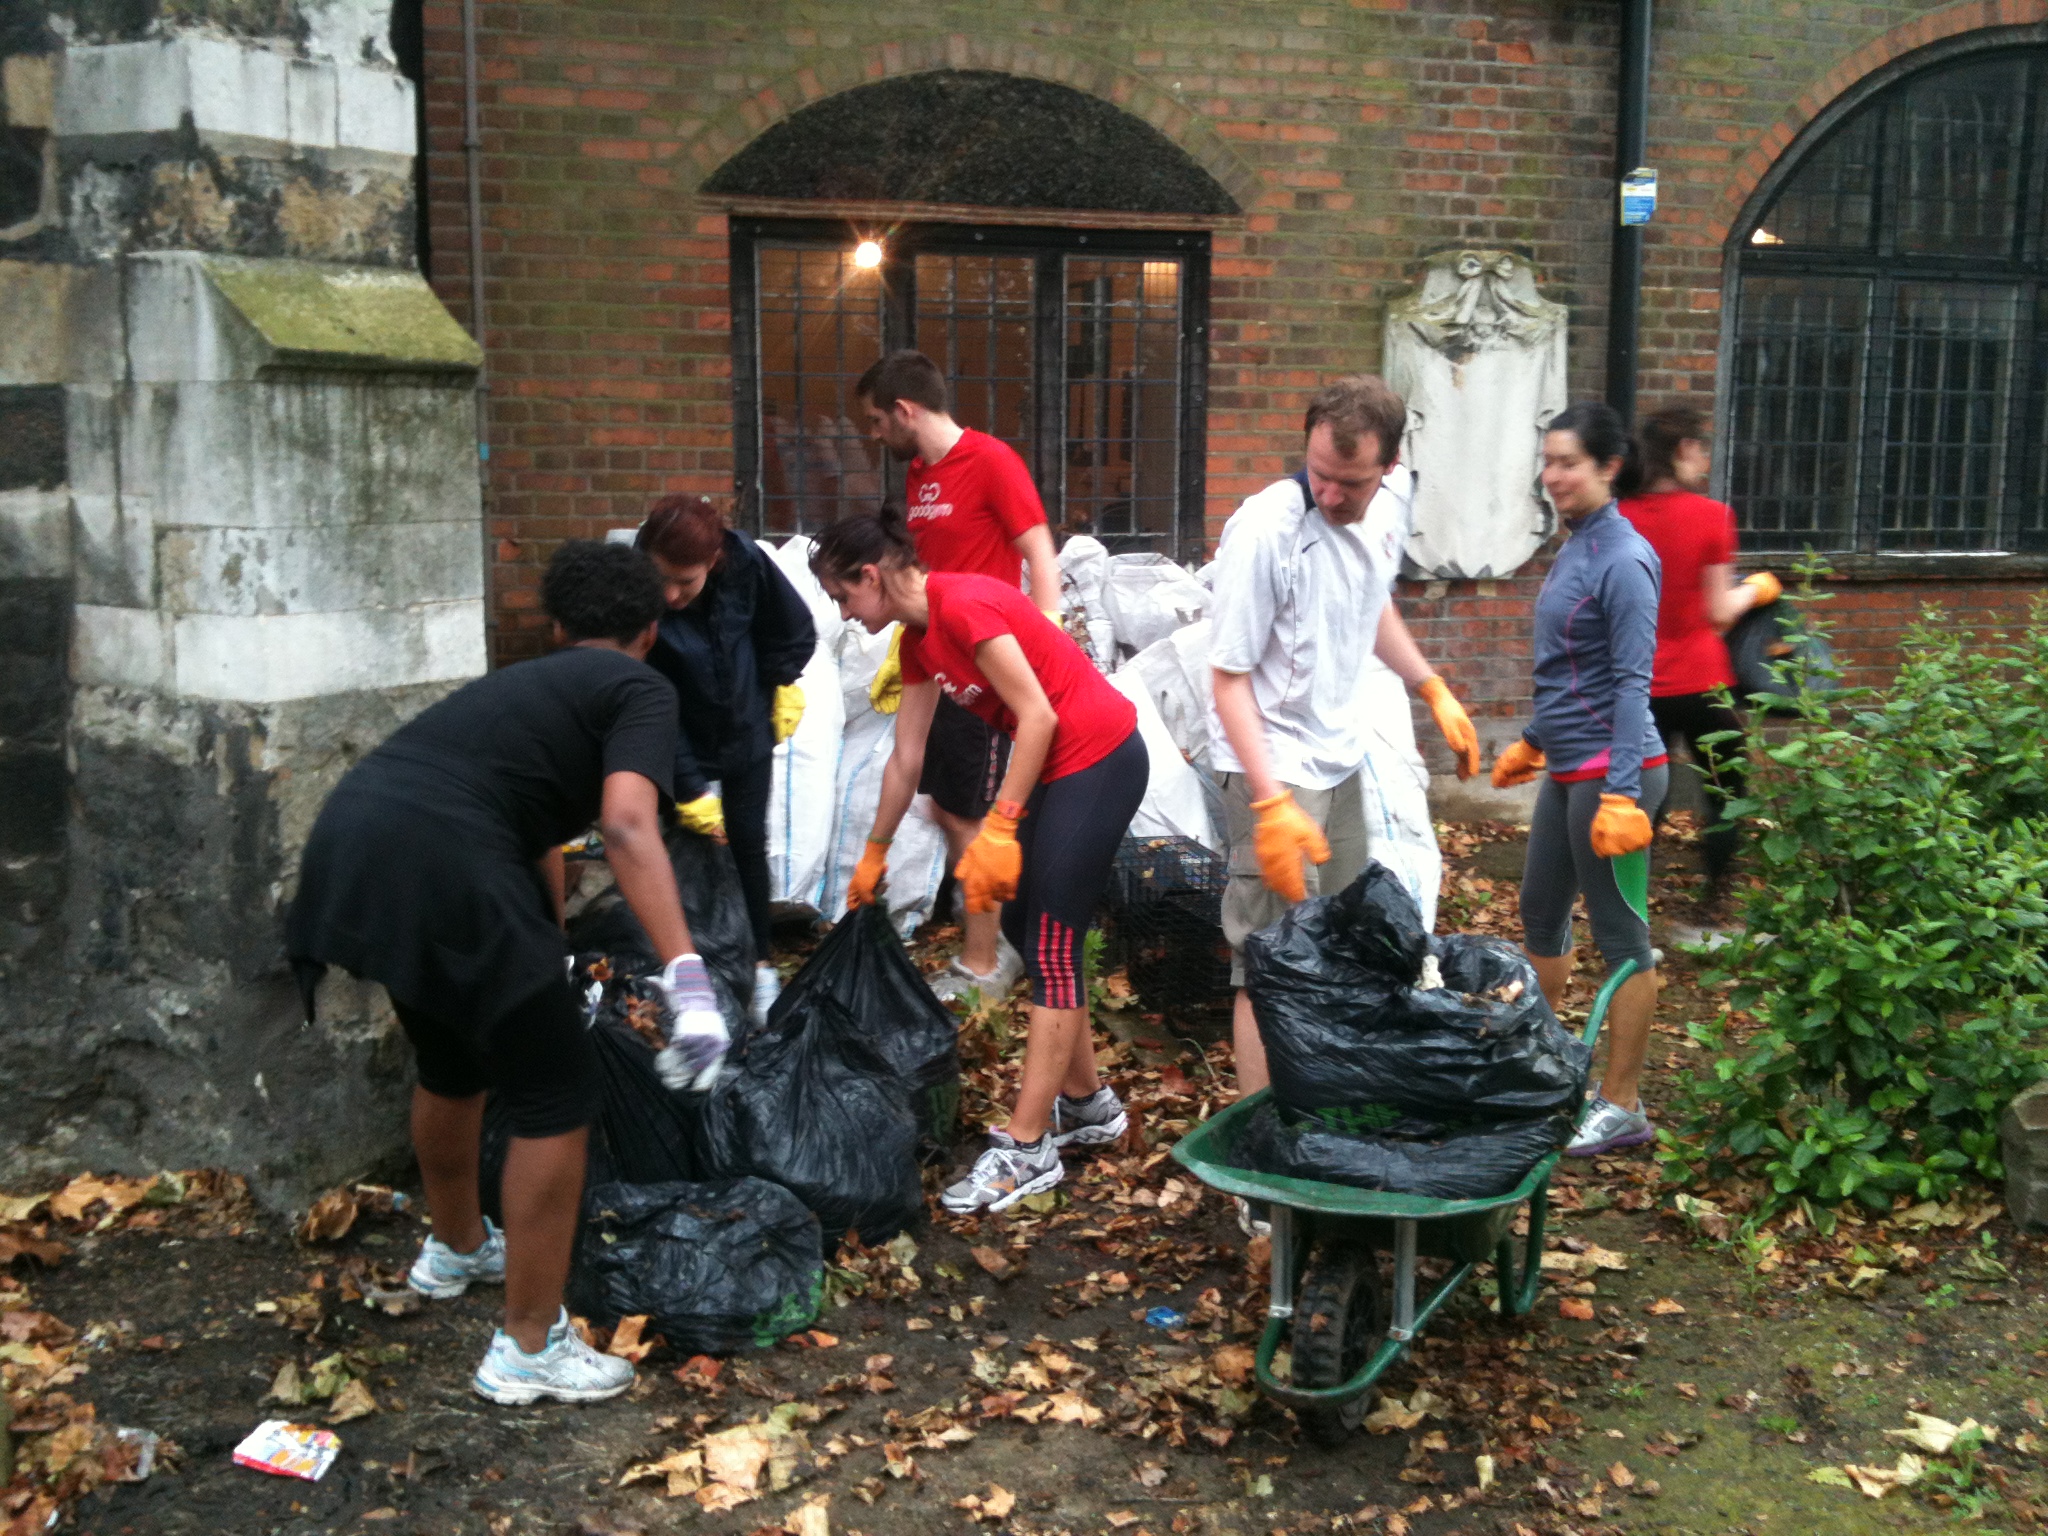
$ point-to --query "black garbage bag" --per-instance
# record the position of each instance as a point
(642, 1132)
(886, 1014)
(717, 1267)
(1764, 639)
(1341, 1035)
(803, 1102)
(1462, 1165)
(1375, 923)
(715, 908)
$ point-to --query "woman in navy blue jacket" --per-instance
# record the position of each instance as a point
(1596, 744)
(734, 641)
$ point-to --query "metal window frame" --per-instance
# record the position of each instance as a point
(2025, 264)
(1050, 246)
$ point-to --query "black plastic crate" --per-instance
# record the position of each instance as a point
(1164, 911)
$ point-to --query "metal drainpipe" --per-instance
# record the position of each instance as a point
(1631, 147)
(472, 150)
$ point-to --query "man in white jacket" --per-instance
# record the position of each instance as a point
(1302, 582)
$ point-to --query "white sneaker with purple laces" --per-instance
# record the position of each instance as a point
(1608, 1128)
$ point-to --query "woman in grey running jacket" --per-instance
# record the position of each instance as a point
(1595, 744)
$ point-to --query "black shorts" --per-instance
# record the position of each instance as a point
(965, 759)
(1070, 834)
(539, 1057)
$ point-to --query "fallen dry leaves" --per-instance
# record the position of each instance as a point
(627, 1342)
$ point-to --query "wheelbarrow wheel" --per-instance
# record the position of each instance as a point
(1340, 1318)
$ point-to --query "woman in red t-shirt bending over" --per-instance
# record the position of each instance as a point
(1695, 540)
(1077, 773)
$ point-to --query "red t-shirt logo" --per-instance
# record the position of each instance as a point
(966, 511)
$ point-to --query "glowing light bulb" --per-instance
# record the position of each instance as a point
(867, 254)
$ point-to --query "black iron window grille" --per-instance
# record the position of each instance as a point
(1085, 350)
(1889, 351)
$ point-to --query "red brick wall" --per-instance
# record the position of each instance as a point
(1478, 634)
(1358, 138)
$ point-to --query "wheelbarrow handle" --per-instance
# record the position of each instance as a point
(1604, 998)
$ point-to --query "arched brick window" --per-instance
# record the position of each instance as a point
(1888, 389)
(1083, 344)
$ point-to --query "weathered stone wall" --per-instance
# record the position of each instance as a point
(239, 544)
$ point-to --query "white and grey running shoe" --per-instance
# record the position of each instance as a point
(956, 980)
(1004, 1174)
(1608, 1128)
(442, 1273)
(1090, 1122)
(566, 1369)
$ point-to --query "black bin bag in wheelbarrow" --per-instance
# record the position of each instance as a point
(642, 1133)
(804, 1102)
(1352, 1039)
(1464, 1165)
(886, 1013)
(708, 882)
(717, 1267)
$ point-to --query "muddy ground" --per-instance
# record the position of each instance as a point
(1693, 1392)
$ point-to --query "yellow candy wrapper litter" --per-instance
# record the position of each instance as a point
(289, 1450)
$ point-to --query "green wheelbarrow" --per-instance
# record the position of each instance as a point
(1326, 1244)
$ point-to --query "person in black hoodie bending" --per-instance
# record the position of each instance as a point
(734, 640)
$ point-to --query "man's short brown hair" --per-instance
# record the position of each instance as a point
(904, 375)
(1351, 407)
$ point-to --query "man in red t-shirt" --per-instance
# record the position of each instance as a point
(971, 506)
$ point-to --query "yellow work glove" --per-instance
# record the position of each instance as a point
(886, 691)
(705, 814)
(1768, 588)
(867, 874)
(1517, 765)
(988, 871)
(1619, 826)
(1452, 720)
(786, 711)
(1284, 834)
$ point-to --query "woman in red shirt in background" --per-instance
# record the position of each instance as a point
(1075, 779)
(1695, 539)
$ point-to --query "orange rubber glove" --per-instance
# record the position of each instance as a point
(1284, 834)
(1619, 826)
(1452, 720)
(1768, 588)
(1517, 765)
(988, 871)
(867, 874)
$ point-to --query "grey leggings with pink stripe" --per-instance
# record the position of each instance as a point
(1561, 864)
(1069, 836)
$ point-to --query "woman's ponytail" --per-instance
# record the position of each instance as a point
(879, 538)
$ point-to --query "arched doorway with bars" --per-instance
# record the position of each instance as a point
(1048, 250)
(1886, 353)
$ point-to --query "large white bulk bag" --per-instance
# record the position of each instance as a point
(1149, 597)
(1398, 829)
(806, 768)
(1177, 797)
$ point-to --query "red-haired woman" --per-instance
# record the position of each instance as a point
(734, 641)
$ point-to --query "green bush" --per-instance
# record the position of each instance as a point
(1896, 953)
